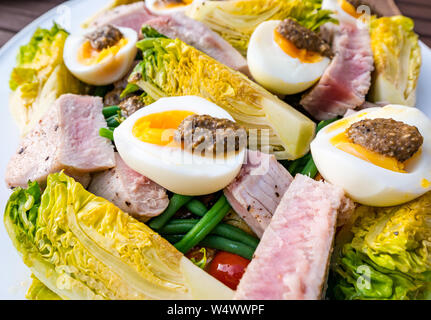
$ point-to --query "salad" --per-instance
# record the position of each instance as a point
(238, 149)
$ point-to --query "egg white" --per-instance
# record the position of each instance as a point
(173, 168)
(276, 70)
(365, 182)
(110, 69)
(152, 5)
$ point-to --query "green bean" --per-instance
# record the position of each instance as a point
(110, 111)
(176, 203)
(196, 207)
(310, 169)
(106, 133)
(230, 232)
(293, 167)
(219, 243)
(224, 230)
(296, 166)
(173, 238)
(208, 222)
(174, 223)
(113, 121)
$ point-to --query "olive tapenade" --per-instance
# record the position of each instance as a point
(208, 134)
(112, 98)
(388, 137)
(304, 38)
(104, 37)
(130, 105)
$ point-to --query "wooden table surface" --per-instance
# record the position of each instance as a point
(15, 14)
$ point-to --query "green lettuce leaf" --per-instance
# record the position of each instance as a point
(40, 77)
(21, 76)
(389, 254)
(130, 88)
(83, 247)
(235, 20)
(173, 68)
(150, 32)
(397, 58)
(22, 208)
(39, 57)
(38, 291)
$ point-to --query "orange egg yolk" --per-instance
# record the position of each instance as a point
(88, 56)
(288, 47)
(425, 183)
(344, 123)
(343, 143)
(172, 4)
(159, 128)
(349, 8)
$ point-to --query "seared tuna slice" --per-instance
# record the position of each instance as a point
(131, 16)
(201, 37)
(258, 189)
(292, 258)
(67, 137)
(130, 191)
(347, 80)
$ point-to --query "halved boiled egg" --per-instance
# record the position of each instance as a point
(343, 10)
(169, 6)
(146, 143)
(369, 177)
(103, 66)
(278, 65)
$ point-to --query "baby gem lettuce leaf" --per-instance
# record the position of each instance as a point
(37, 59)
(40, 77)
(83, 247)
(38, 291)
(389, 255)
(397, 57)
(21, 211)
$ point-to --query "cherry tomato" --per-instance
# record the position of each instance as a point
(228, 268)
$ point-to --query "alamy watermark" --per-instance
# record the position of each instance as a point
(364, 280)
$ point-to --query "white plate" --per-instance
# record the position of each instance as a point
(14, 275)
